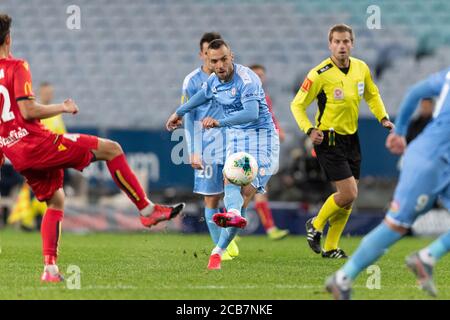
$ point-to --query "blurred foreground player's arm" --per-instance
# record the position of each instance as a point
(396, 142)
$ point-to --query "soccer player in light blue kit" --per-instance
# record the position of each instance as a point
(425, 177)
(249, 128)
(208, 178)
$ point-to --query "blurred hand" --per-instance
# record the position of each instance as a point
(316, 136)
(388, 125)
(173, 122)
(69, 106)
(196, 162)
(395, 143)
(209, 123)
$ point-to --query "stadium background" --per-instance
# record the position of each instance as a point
(125, 66)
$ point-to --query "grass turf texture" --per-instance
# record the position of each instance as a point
(173, 266)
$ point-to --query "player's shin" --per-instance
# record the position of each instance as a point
(372, 247)
(51, 232)
(329, 209)
(214, 230)
(233, 199)
(437, 249)
(126, 180)
(265, 214)
(337, 225)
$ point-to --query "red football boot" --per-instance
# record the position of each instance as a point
(51, 274)
(229, 219)
(162, 213)
(214, 262)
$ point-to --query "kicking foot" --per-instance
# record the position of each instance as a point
(229, 219)
(162, 213)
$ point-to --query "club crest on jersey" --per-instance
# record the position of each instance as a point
(233, 92)
(338, 94)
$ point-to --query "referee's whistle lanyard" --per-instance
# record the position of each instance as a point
(331, 137)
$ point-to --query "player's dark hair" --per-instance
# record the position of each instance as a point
(208, 37)
(257, 66)
(429, 99)
(217, 44)
(5, 25)
(340, 28)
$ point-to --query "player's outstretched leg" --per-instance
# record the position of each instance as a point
(422, 263)
(373, 246)
(51, 233)
(233, 202)
(125, 179)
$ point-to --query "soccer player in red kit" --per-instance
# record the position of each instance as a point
(41, 156)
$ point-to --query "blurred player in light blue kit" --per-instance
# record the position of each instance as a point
(208, 178)
(425, 178)
(249, 128)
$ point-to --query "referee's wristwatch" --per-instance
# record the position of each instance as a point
(309, 131)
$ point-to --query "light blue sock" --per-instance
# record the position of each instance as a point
(233, 198)
(440, 246)
(226, 236)
(214, 229)
(244, 212)
(372, 246)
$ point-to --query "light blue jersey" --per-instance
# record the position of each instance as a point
(244, 86)
(208, 181)
(247, 119)
(425, 175)
(259, 137)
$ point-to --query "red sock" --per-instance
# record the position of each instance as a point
(265, 214)
(50, 232)
(126, 180)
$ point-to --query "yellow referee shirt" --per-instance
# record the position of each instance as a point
(338, 97)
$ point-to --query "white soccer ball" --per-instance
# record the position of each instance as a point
(240, 168)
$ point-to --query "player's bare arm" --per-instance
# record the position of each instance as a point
(30, 109)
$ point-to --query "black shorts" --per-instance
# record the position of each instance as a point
(341, 159)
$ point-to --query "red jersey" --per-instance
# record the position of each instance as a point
(20, 139)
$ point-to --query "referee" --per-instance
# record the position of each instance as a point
(338, 83)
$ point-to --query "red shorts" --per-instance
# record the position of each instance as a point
(46, 174)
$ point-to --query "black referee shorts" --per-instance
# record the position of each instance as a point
(339, 156)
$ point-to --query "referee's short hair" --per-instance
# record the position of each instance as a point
(340, 28)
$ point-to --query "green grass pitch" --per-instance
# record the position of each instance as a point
(173, 266)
